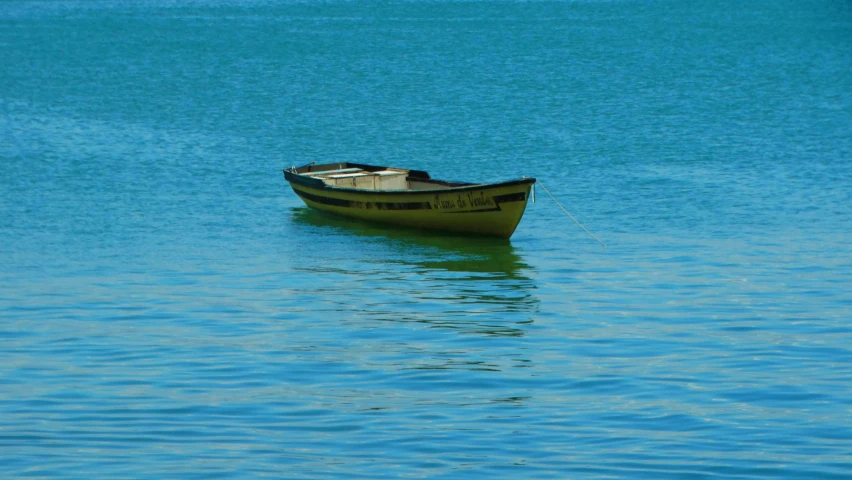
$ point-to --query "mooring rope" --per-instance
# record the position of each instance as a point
(569, 215)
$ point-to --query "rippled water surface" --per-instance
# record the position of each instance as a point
(170, 309)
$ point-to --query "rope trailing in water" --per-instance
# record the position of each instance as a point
(569, 215)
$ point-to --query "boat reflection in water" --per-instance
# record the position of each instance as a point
(476, 285)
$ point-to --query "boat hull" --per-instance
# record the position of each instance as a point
(490, 210)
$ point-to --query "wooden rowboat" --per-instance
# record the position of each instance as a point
(412, 198)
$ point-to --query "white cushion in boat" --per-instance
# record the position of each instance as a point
(349, 175)
(335, 172)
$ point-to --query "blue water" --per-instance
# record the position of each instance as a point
(170, 309)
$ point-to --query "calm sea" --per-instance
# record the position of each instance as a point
(170, 309)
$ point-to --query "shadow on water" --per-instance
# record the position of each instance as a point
(476, 284)
(454, 253)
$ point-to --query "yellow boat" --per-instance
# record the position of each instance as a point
(412, 198)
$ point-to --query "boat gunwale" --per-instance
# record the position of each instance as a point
(304, 180)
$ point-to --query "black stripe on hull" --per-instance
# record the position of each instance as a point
(337, 202)
(510, 197)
